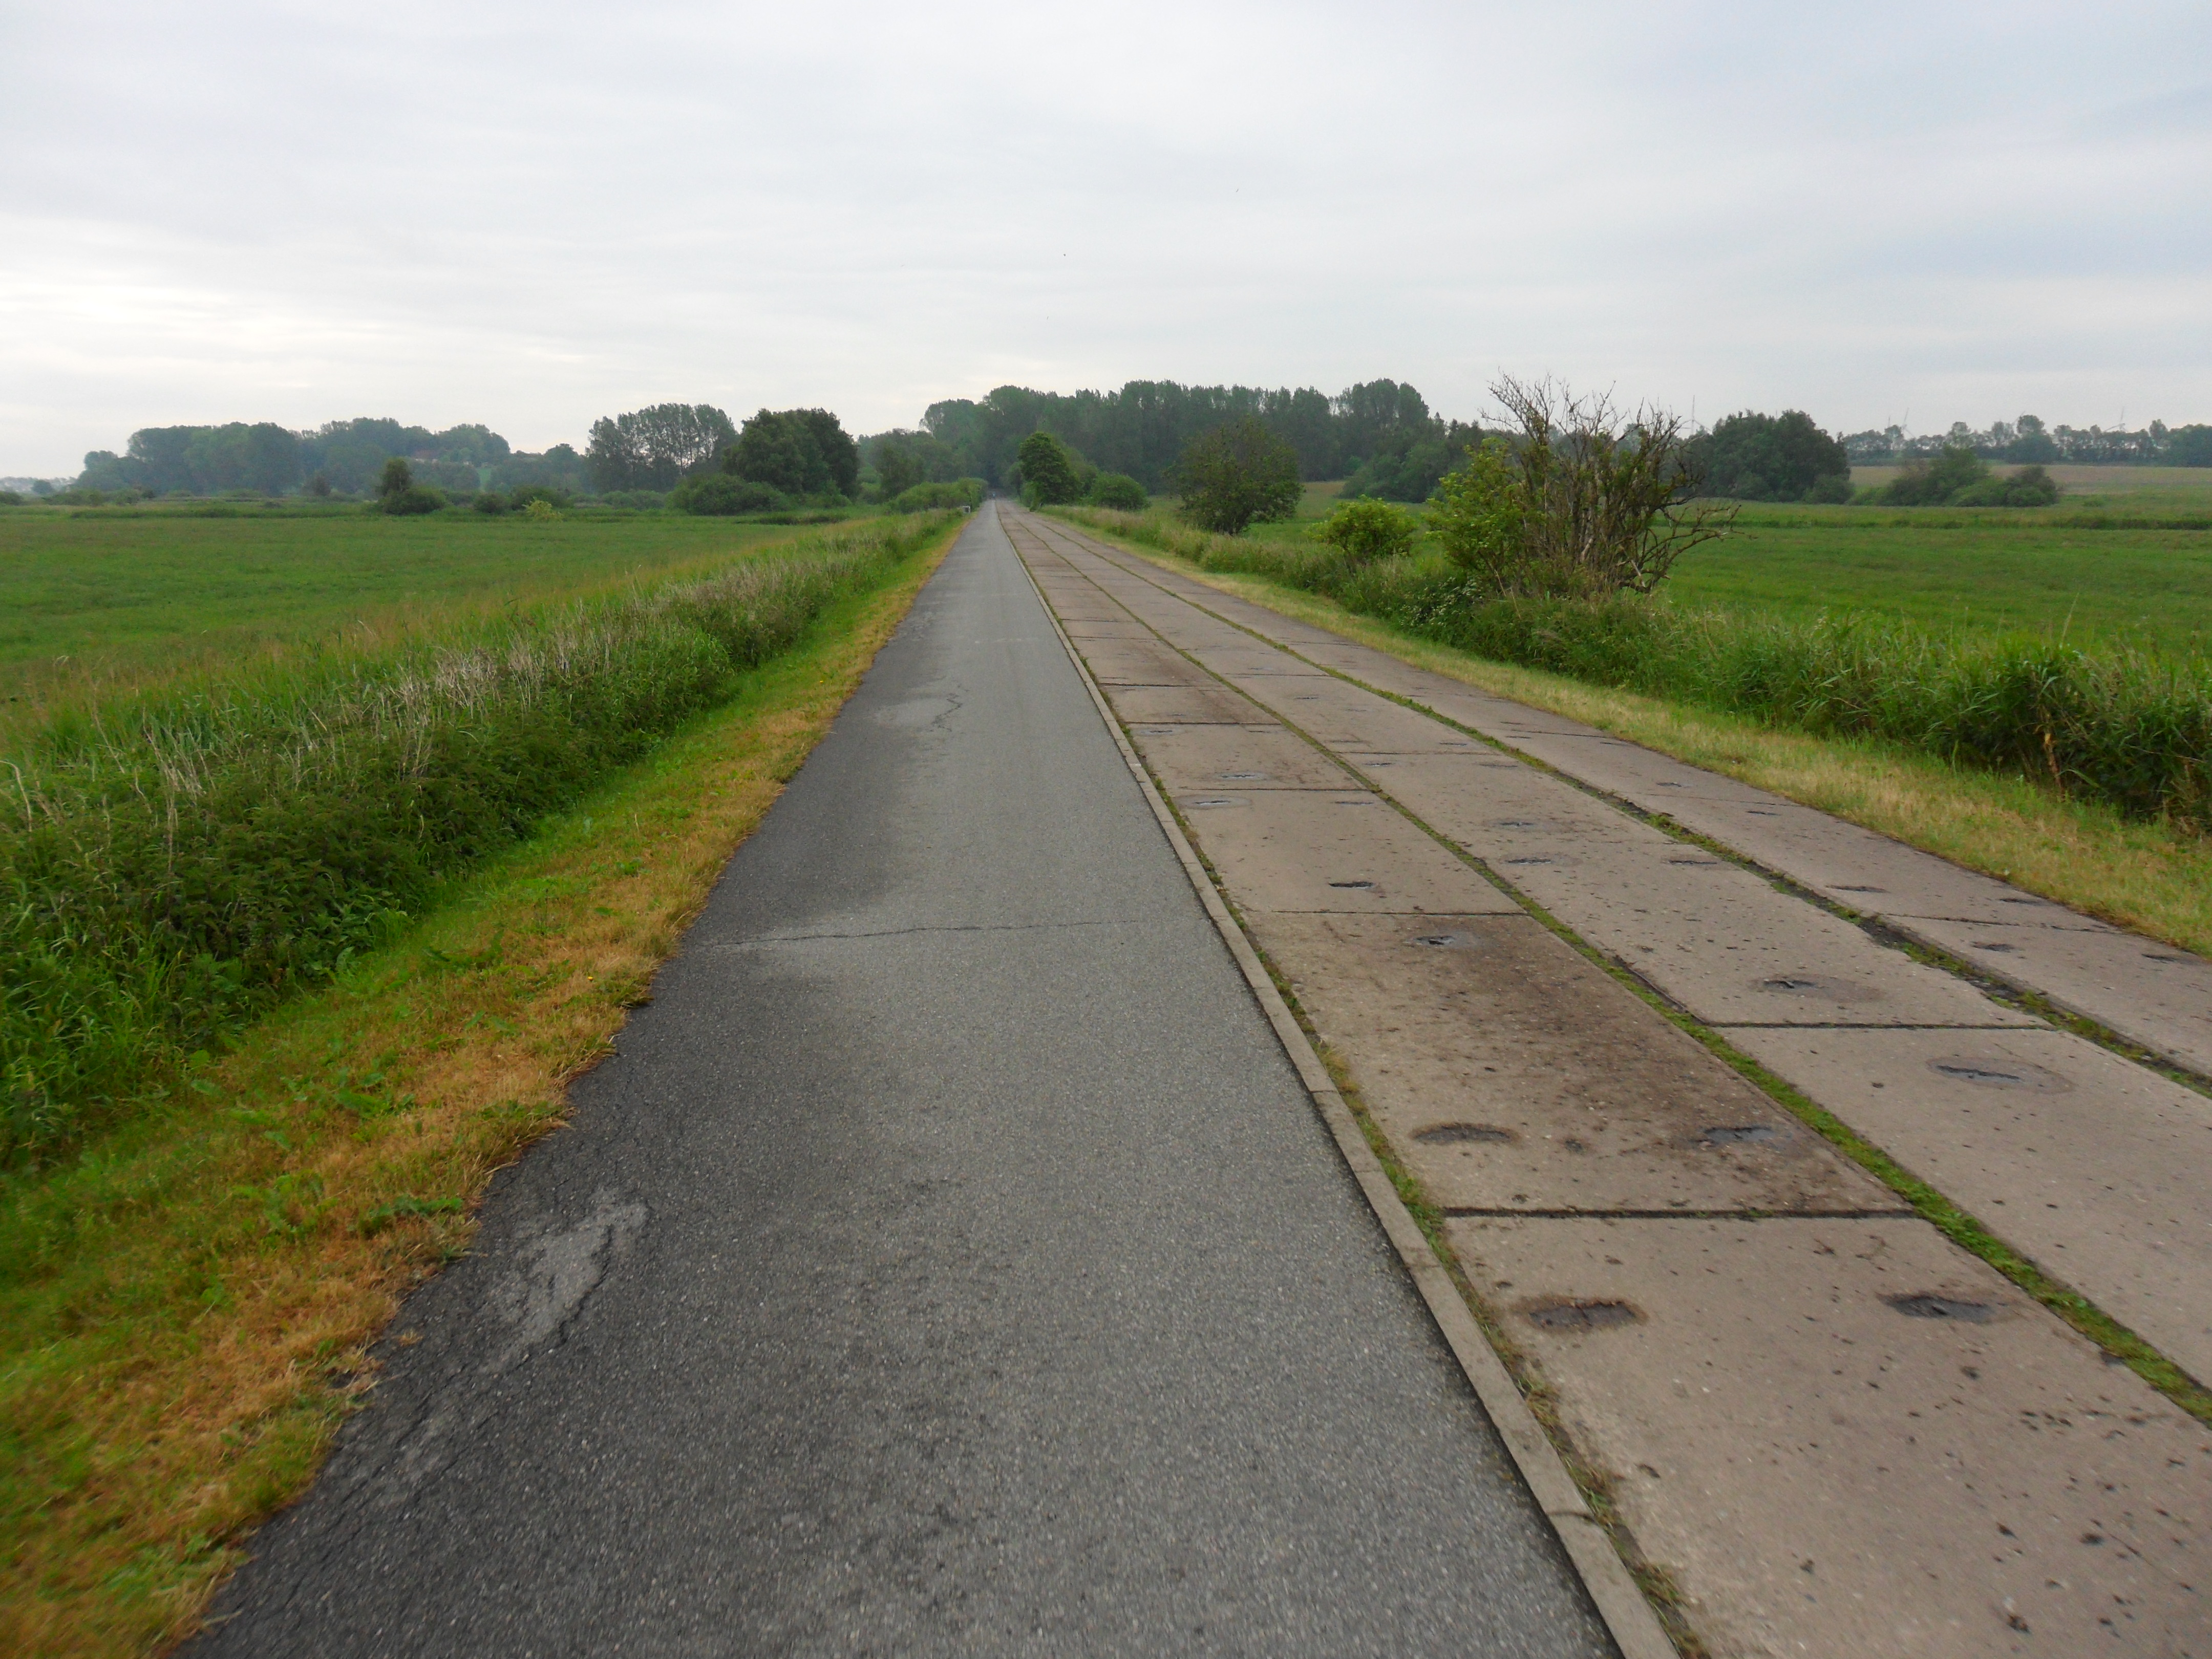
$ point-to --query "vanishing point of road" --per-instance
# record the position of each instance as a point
(949, 1260)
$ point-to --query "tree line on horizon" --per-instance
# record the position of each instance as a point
(1379, 436)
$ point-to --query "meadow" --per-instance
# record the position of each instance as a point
(95, 597)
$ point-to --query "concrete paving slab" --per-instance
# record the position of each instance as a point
(1851, 1440)
(1331, 849)
(1134, 663)
(1718, 939)
(1168, 705)
(1347, 718)
(2096, 1169)
(1238, 758)
(1513, 1075)
(2148, 991)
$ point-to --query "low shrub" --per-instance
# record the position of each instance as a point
(957, 496)
(177, 861)
(489, 501)
(720, 495)
(2029, 487)
(1366, 530)
(1117, 490)
(416, 498)
(520, 497)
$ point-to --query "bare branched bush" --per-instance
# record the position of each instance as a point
(1583, 502)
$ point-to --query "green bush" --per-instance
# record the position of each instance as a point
(957, 495)
(489, 501)
(720, 495)
(1367, 529)
(2029, 487)
(1584, 501)
(1117, 490)
(520, 497)
(181, 860)
(1936, 482)
(1832, 491)
(416, 498)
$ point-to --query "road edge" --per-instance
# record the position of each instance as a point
(1619, 1601)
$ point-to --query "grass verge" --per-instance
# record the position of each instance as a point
(185, 1306)
(2144, 875)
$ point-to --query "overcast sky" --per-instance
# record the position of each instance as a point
(534, 214)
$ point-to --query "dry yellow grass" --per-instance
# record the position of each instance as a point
(2142, 876)
(215, 1274)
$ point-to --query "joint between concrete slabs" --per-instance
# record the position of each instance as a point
(1621, 1604)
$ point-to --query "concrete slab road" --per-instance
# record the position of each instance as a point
(949, 1260)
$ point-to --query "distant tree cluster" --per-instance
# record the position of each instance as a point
(654, 448)
(801, 452)
(2028, 441)
(1769, 458)
(1379, 433)
(339, 458)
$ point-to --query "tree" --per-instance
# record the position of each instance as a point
(1581, 503)
(1236, 474)
(2189, 446)
(898, 469)
(399, 494)
(1767, 458)
(800, 452)
(651, 448)
(1048, 472)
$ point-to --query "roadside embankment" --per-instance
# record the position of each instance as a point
(181, 860)
(186, 1293)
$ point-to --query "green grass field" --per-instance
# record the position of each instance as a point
(1950, 573)
(93, 596)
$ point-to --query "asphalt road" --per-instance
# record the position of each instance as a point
(949, 1262)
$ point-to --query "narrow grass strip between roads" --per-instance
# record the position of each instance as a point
(186, 1308)
(2142, 875)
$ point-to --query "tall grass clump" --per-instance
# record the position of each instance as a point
(172, 863)
(2125, 728)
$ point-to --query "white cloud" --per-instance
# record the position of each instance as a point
(532, 215)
